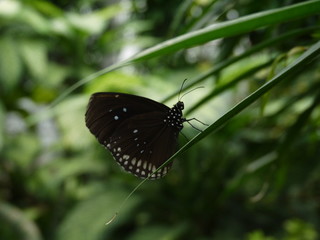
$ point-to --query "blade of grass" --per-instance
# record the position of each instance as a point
(216, 91)
(293, 99)
(212, 32)
(292, 69)
(209, 13)
(179, 15)
(293, 133)
(85, 80)
(295, 67)
(219, 66)
(231, 28)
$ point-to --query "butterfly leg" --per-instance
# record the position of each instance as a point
(191, 119)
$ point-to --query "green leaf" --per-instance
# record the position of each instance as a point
(15, 225)
(2, 125)
(158, 232)
(302, 62)
(88, 219)
(94, 22)
(255, 49)
(221, 87)
(34, 54)
(10, 64)
(71, 120)
(212, 32)
(9, 9)
(231, 28)
(33, 19)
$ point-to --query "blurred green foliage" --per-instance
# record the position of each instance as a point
(257, 178)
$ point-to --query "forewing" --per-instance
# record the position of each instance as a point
(107, 111)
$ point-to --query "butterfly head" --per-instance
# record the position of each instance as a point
(179, 105)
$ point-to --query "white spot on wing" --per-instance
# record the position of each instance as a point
(165, 170)
(139, 163)
(150, 166)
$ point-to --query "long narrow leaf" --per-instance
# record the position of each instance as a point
(215, 31)
(289, 71)
(219, 89)
(231, 28)
(221, 65)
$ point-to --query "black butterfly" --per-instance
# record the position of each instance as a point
(140, 133)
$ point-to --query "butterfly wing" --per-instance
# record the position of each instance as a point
(143, 143)
(107, 110)
(132, 128)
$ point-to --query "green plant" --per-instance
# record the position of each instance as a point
(253, 167)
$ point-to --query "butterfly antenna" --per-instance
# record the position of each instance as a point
(184, 81)
(189, 92)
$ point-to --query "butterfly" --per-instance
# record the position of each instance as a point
(140, 133)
